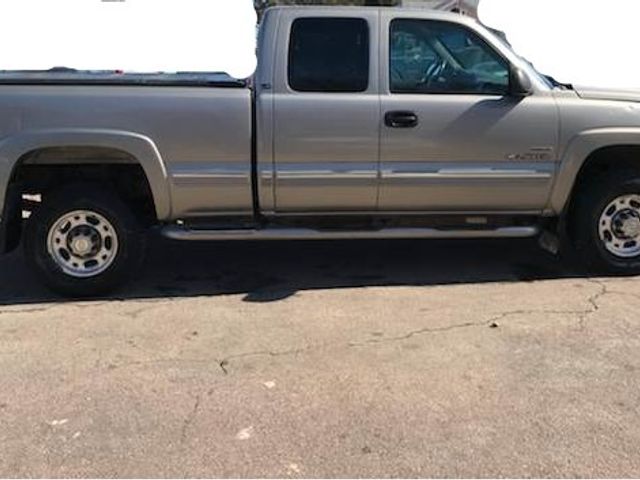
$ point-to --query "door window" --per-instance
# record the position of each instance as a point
(440, 57)
(329, 55)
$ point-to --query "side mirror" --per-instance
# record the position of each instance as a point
(519, 83)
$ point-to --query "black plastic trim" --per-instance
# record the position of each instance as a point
(254, 156)
(11, 223)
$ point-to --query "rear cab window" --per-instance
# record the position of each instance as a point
(329, 54)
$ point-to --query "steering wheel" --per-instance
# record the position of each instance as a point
(434, 72)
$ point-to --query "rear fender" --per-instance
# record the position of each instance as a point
(140, 147)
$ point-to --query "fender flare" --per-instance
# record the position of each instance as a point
(578, 151)
(140, 147)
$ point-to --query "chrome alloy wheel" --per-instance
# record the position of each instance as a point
(619, 226)
(83, 243)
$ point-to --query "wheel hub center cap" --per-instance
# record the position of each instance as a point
(631, 227)
(81, 245)
(627, 224)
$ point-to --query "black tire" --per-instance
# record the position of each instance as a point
(131, 240)
(585, 216)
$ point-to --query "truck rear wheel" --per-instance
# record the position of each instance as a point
(83, 241)
(606, 224)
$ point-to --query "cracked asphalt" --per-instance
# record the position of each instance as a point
(334, 359)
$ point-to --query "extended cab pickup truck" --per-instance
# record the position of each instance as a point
(358, 123)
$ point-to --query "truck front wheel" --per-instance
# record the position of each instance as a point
(606, 224)
(83, 241)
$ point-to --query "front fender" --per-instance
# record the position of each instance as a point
(578, 151)
(138, 146)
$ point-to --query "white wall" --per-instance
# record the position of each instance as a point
(586, 42)
(580, 41)
(138, 35)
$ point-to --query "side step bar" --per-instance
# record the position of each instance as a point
(177, 232)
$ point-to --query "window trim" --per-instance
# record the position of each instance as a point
(473, 33)
(370, 54)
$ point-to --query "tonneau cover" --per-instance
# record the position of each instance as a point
(65, 76)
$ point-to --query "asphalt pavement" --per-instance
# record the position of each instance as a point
(325, 359)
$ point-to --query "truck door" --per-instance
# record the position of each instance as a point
(326, 111)
(453, 138)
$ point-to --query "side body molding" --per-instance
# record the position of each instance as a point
(139, 146)
(578, 150)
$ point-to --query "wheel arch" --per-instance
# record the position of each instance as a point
(87, 147)
(592, 150)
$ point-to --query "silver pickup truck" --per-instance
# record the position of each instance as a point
(359, 123)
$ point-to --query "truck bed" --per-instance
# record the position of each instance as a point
(202, 135)
(65, 76)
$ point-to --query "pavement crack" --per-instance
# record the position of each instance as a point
(161, 361)
(422, 331)
(224, 364)
(188, 421)
(593, 301)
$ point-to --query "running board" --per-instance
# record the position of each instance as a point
(176, 232)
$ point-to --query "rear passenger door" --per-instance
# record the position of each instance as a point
(326, 112)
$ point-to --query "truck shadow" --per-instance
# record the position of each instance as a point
(267, 272)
